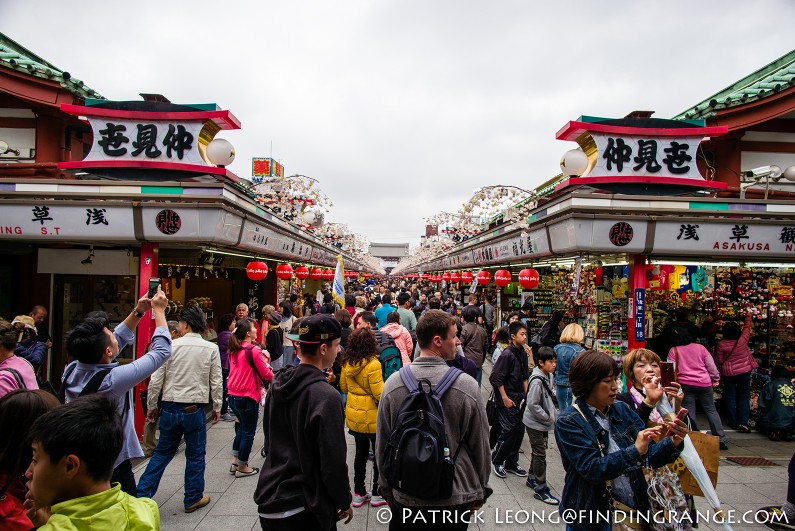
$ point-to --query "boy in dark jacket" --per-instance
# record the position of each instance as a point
(304, 480)
(777, 406)
(509, 379)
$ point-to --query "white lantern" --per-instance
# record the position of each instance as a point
(789, 173)
(220, 152)
(574, 162)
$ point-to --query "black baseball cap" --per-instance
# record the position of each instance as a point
(317, 328)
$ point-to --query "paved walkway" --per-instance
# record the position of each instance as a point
(232, 507)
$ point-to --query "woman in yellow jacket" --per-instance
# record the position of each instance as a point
(361, 378)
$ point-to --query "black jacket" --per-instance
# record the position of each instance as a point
(512, 372)
(306, 448)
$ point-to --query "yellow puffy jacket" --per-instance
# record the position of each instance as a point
(363, 382)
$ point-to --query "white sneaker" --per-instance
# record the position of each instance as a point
(360, 499)
(377, 501)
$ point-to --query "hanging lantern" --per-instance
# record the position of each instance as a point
(446, 277)
(454, 277)
(425, 276)
(528, 278)
(484, 277)
(466, 277)
(315, 274)
(284, 271)
(301, 273)
(502, 277)
(351, 274)
(328, 274)
(257, 270)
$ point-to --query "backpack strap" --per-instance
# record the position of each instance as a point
(544, 384)
(409, 380)
(446, 382)
(249, 350)
(95, 382)
(62, 389)
(17, 377)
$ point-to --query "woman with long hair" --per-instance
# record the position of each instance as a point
(361, 378)
(15, 372)
(698, 376)
(248, 368)
(18, 410)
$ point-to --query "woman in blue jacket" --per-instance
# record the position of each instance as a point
(569, 348)
(603, 445)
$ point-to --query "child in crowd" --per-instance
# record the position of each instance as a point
(539, 418)
(776, 404)
(74, 448)
(503, 337)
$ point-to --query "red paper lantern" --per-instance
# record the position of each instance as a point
(484, 277)
(425, 276)
(351, 274)
(437, 278)
(328, 274)
(301, 273)
(257, 270)
(528, 278)
(466, 277)
(454, 277)
(315, 274)
(284, 271)
(502, 277)
(446, 277)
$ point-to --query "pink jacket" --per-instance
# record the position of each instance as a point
(402, 339)
(733, 356)
(242, 381)
(694, 364)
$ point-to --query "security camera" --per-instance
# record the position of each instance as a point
(762, 172)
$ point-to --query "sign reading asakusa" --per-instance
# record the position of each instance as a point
(741, 239)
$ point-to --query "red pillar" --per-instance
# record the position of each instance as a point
(147, 269)
(637, 302)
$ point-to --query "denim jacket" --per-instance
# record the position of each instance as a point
(579, 439)
(565, 352)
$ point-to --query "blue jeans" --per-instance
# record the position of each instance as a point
(737, 395)
(564, 396)
(480, 376)
(174, 423)
(247, 412)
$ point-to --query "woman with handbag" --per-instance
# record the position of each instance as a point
(603, 445)
(736, 362)
(698, 376)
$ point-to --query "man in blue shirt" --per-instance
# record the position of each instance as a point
(385, 309)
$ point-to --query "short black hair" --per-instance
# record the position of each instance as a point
(403, 298)
(293, 298)
(680, 336)
(546, 353)
(732, 330)
(588, 369)
(514, 328)
(99, 314)
(386, 298)
(778, 372)
(369, 318)
(194, 318)
(226, 320)
(88, 427)
(470, 313)
(87, 341)
(503, 334)
(393, 317)
(350, 299)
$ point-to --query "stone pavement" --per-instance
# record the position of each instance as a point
(232, 507)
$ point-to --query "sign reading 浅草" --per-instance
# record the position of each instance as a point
(48, 221)
(740, 239)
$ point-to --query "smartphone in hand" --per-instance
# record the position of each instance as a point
(153, 284)
(667, 373)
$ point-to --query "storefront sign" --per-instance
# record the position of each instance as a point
(45, 220)
(267, 241)
(190, 223)
(580, 235)
(155, 135)
(262, 167)
(621, 234)
(738, 239)
(640, 314)
(168, 222)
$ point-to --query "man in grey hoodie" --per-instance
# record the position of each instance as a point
(539, 417)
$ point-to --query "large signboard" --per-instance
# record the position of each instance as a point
(739, 239)
(47, 221)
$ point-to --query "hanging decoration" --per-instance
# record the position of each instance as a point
(301, 272)
(256, 270)
(528, 278)
(466, 277)
(502, 277)
(484, 277)
(455, 277)
(316, 274)
(284, 271)
(328, 274)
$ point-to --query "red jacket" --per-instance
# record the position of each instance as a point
(242, 381)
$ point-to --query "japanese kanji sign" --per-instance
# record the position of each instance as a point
(146, 140)
(262, 167)
(58, 221)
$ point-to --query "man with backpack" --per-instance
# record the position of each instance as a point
(425, 487)
(94, 348)
(191, 376)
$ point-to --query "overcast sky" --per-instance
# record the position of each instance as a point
(401, 108)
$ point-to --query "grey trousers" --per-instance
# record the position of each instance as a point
(705, 397)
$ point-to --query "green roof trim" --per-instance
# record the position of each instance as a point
(767, 81)
(599, 119)
(91, 102)
(162, 190)
(16, 57)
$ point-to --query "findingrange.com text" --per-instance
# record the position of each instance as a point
(522, 516)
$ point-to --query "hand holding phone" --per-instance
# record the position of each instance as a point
(667, 373)
(153, 284)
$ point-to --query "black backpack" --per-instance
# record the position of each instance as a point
(388, 354)
(17, 377)
(417, 458)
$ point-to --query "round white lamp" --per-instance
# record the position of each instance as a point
(574, 162)
(221, 152)
(789, 173)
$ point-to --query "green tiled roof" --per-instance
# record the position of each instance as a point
(768, 80)
(17, 57)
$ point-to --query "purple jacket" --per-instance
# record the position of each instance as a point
(223, 347)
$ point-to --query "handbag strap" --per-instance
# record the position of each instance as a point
(608, 482)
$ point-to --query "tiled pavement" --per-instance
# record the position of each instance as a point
(232, 507)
